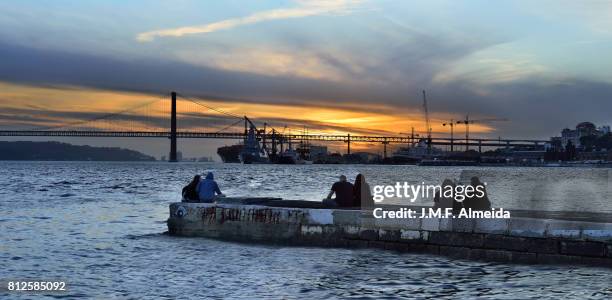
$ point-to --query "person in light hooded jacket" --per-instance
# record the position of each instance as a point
(208, 189)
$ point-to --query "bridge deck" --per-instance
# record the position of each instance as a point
(484, 142)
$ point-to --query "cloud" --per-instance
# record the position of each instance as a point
(484, 68)
(46, 67)
(62, 108)
(304, 9)
(324, 64)
(595, 15)
(459, 75)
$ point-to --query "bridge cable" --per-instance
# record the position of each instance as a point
(103, 117)
(224, 128)
(194, 100)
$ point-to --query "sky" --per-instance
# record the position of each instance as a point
(334, 66)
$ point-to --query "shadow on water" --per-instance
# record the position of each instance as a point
(146, 236)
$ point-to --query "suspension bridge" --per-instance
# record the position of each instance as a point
(197, 119)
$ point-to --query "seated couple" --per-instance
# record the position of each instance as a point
(349, 195)
(204, 191)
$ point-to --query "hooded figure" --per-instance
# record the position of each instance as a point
(208, 188)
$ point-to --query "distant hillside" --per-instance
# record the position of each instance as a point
(63, 151)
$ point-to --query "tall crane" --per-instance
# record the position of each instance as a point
(467, 123)
(451, 124)
(426, 111)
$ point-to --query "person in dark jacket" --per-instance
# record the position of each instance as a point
(445, 202)
(189, 191)
(344, 194)
(362, 195)
(477, 203)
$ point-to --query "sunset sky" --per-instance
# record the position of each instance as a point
(334, 66)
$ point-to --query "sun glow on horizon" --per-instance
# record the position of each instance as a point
(41, 106)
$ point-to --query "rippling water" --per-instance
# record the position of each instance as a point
(99, 226)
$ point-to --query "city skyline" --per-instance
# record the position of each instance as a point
(334, 66)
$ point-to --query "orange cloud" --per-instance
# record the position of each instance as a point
(51, 106)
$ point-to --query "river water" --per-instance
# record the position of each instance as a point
(100, 227)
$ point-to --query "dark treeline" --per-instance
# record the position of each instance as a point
(63, 151)
(588, 144)
(596, 143)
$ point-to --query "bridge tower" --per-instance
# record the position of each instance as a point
(173, 128)
(348, 144)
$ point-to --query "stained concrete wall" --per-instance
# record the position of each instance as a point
(521, 240)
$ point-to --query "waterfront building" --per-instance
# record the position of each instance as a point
(573, 135)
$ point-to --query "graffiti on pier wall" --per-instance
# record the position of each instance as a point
(209, 214)
(263, 216)
(256, 215)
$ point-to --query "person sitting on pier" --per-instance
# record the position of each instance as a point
(344, 194)
(445, 202)
(189, 191)
(362, 195)
(208, 189)
(475, 202)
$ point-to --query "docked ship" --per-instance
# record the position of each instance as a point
(255, 149)
(230, 154)
(292, 157)
(415, 153)
(287, 157)
(252, 152)
(299, 156)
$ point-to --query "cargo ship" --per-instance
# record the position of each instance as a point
(253, 152)
(230, 154)
(256, 150)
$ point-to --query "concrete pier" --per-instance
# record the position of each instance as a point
(528, 240)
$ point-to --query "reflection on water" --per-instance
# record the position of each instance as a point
(99, 226)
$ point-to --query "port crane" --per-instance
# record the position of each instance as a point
(426, 111)
(451, 124)
(467, 121)
(282, 140)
